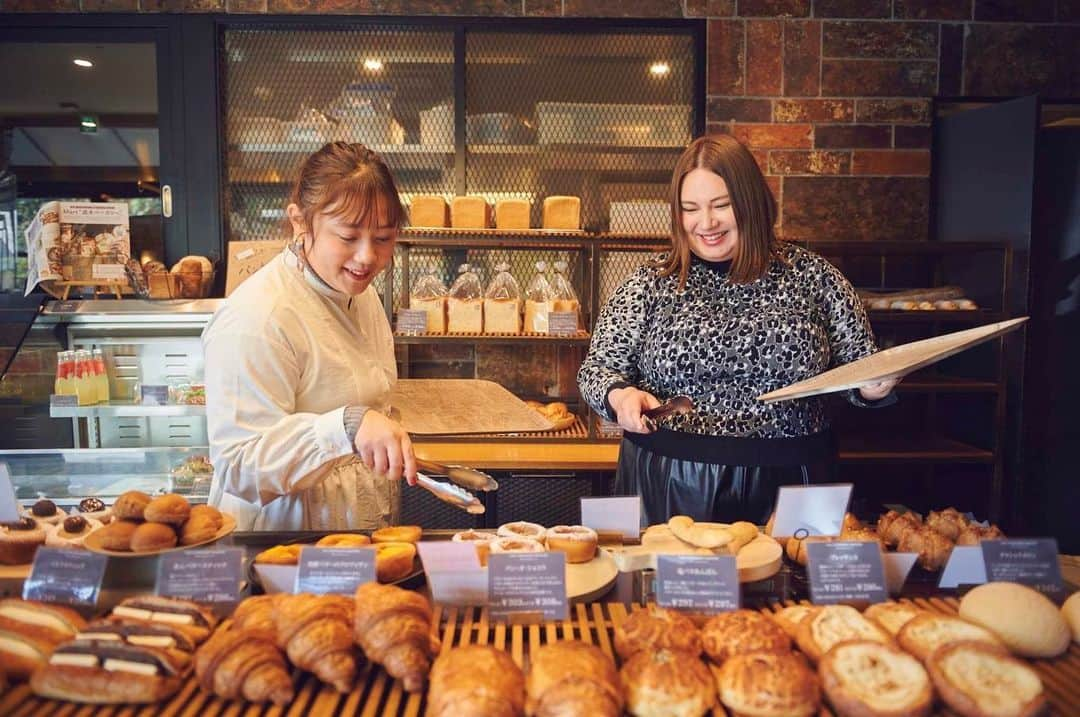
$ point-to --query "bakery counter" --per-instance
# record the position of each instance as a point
(506, 454)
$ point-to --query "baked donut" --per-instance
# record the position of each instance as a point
(279, 555)
(741, 632)
(393, 561)
(480, 540)
(397, 534)
(153, 536)
(655, 628)
(116, 535)
(170, 508)
(516, 545)
(72, 532)
(522, 529)
(343, 540)
(130, 505)
(577, 541)
(45, 511)
(20, 540)
(94, 509)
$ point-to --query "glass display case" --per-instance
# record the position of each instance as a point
(66, 476)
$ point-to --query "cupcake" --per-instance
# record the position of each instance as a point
(72, 532)
(45, 511)
(94, 509)
(20, 540)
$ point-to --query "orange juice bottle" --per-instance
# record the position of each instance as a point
(65, 367)
(84, 384)
(101, 376)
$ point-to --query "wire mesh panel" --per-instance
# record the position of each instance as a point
(290, 91)
(545, 499)
(597, 115)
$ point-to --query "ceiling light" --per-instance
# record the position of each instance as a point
(659, 69)
(82, 63)
(373, 65)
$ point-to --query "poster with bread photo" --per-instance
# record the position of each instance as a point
(77, 241)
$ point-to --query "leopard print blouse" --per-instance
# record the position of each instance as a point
(723, 344)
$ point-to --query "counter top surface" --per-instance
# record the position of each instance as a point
(505, 454)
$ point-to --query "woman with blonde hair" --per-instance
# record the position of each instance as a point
(300, 363)
(729, 313)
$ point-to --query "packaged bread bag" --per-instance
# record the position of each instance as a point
(502, 303)
(564, 298)
(465, 304)
(539, 299)
(429, 295)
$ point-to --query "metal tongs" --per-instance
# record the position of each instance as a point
(676, 406)
(456, 495)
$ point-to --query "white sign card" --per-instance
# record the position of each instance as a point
(453, 572)
(802, 511)
(965, 567)
(9, 508)
(619, 514)
(897, 567)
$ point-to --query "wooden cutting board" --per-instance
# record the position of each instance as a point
(433, 407)
(895, 362)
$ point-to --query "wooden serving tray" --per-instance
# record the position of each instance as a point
(376, 694)
(433, 406)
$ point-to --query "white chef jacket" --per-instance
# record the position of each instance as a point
(284, 356)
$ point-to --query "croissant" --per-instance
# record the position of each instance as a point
(475, 681)
(572, 678)
(256, 615)
(235, 663)
(393, 626)
(316, 633)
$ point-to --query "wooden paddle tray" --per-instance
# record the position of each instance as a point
(377, 695)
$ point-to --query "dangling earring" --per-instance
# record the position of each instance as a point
(297, 248)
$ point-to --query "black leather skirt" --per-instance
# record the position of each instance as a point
(709, 490)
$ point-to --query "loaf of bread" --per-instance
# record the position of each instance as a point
(512, 214)
(470, 212)
(428, 210)
(562, 213)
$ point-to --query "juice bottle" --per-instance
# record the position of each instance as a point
(84, 384)
(64, 370)
(101, 376)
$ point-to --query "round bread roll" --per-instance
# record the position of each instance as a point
(741, 632)
(655, 628)
(522, 529)
(1024, 619)
(577, 541)
(116, 535)
(667, 682)
(343, 540)
(1071, 612)
(170, 508)
(130, 505)
(480, 540)
(768, 683)
(397, 534)
(153, 536)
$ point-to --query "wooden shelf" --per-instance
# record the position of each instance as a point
(494, 238)
(909, 449)
(978, 316)
(581, 337)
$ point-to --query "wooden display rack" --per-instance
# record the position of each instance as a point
(376, 694)
(110, 286)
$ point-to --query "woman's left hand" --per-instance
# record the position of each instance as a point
(879, 390)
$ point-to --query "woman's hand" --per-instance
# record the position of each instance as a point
(385, 447)
(628, 404)
(879, 390)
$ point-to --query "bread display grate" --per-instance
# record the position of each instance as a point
(578, 430)
(377, 695)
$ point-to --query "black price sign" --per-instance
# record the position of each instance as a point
(697, 582)
(527, 583)
(412, 321)
(334, 570)
(206, 576)
(1029, 561)
(71, 577)
(845, 572)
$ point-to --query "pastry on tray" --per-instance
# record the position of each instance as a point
(672, 683)
(394, 628)
(107, 672)
(316, 632)
(235, 664)
(475, 681)
(865, 677)
(892, 615)
(571, 677)
(655, 628)
(975, 679)
(925, 633)
(30, 631)
(577, 541)
(45, 511)
(833, 624)
(20, 540)
(191, 618)
(72, 532)
(768, 683)
(741, 632)
(792, 616)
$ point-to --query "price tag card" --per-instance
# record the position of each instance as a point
(67, 400)
(211, 576)
(811, 510)
(71, 577)
(64, 307)
(411, 321)
(334, 570)
(9, 508)
(697, 582)
(108, 272)
(1029, 561)
(154, 395)
(620, 514)
(453, 572)
(845, 572)
(527, 583)
(562, 323)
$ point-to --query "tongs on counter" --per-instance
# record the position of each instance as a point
(456, 495)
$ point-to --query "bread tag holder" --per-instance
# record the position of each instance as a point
(413, 322)
(68, 576)
(846, 572)
(802, 511)
(696, 582)
(9, 508)
(1028, 561)
(212, 577)
(562, 323)
(453, 572)
(334, 570)
(527, 587)
(611, 518)
(965, 567)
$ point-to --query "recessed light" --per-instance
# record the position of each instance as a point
(659, 69)
(82, 63)
(372, 64)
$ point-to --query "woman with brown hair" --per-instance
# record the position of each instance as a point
(728, 314)
(300, 363)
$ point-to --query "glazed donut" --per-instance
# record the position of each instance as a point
(522, 529)
(516, 545)
(397, 534)
(577, 541)
(480, 540)
(343, 540)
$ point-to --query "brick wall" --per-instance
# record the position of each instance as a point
(832, 95)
